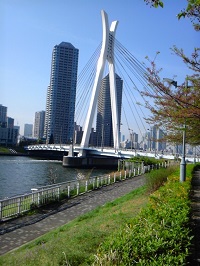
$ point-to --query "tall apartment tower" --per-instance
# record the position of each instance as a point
(61, 94)
(39, 125)
(104, 115)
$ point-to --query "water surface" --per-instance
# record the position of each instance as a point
(19, 174)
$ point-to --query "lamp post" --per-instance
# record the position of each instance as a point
(183, 162)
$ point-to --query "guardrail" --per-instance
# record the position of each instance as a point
(15, 206)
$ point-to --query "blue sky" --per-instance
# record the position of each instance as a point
(30, 29)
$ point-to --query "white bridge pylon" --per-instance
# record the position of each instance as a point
(107, 54)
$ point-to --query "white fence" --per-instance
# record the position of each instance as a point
(11, 207)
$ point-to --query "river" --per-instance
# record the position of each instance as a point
(18, 174)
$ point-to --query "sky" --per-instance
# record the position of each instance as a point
(30, 30)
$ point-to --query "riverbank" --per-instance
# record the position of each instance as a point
(19, 231)
(12, 151)
(75, 242)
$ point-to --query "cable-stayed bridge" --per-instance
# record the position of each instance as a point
(107, 152)
(110, 58)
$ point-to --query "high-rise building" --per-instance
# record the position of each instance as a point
(39, 125)
(161, 144)
(153, 139)
(134, 140)
(28, 130)
(8, 133)
(10, 122)
(61, 94)
(3, 116)
(104, 115)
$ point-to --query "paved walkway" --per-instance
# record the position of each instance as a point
(16, 232)
(195, 219)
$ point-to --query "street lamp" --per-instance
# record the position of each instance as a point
(183, 162)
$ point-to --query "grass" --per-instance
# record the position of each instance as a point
(159, 235)
(76, 242)
(112, 225)
(4, 150)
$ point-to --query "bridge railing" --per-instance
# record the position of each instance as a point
(15, 206)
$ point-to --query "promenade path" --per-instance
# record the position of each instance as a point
(17, 232)
(195, 219)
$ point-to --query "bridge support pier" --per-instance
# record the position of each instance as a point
(90, 162)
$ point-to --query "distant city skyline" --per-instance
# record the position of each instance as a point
(31, 29)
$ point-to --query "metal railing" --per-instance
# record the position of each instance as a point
(15, 206)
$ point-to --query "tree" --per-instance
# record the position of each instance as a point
(192, 11)
(174, 106)
(177, 106)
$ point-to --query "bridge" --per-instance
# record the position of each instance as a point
(57, 151)
(73, 154)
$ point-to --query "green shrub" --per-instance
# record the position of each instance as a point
(159, 235)
(146, 160)
(155, 179)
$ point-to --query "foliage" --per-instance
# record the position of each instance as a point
(191, 11)
(4, 150)
(159, 235)
(156, 179)
(155, 3)
(174, 107)
(146, 160)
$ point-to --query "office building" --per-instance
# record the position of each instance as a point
(61, 94)
(104, 131)
(161, 143)
(8, 133)
(10, 122)
(28, 130)
(3, 116)
(134, 140)
(39, 125)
